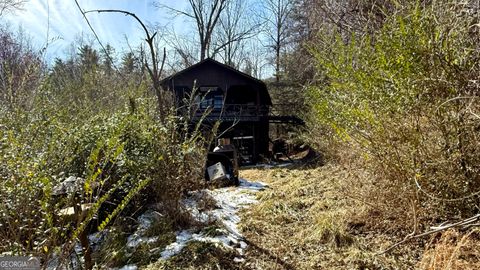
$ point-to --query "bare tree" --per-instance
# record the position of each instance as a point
(155, 69)
(236, 25)
(20, 69)
(10, 5)
(183, 52)
(276, 16)
(206, 14)
(342, 16)
(254, 59)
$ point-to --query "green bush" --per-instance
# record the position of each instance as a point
(100, 127)
(119, 153)
(407, 96)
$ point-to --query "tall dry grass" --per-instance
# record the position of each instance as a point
(404, 101)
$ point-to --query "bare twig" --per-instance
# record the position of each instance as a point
(469, 222)
(175, 11)
(11, 5)
(96, 36)
(431, 196)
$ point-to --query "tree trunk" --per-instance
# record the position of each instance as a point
(203, 51)
(277, 63)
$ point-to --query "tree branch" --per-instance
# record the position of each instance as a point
(173, 10)
(153, 71)
(469, 222)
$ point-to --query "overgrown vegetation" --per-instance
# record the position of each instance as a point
(309, 219)
(404, 100)
(306, 221)
(390, 93)
(82, 120)
(406, 97)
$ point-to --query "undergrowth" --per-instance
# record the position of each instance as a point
(200, 255)
(304, 221)
(307, 219)
(83, 138)
(402, 102)
(452, 250)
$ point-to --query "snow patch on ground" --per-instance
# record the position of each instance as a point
(229, 201)
(145, 221)
(129, 267)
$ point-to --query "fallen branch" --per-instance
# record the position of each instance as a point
(466, 223)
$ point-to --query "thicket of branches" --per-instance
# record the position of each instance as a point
(101, 118)
(399, 83)
(394, 81)
(89, 119)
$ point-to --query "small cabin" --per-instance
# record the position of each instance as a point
(239, 101)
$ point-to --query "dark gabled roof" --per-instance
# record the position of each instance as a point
(263, 86)
(211, 60)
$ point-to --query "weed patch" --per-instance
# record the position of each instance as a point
(200, 255)
(304, 221)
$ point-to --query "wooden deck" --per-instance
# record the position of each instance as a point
(249, 113)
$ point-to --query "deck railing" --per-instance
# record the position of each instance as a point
(247, 112)
(234, 110)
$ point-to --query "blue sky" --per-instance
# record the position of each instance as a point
(63, 22)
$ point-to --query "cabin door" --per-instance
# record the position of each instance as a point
(244, 141)
(245, 146)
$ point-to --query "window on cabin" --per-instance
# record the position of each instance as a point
(217, 101)
(211, 97)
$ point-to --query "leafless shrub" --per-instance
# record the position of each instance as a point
(405, 98)
(21, 69)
